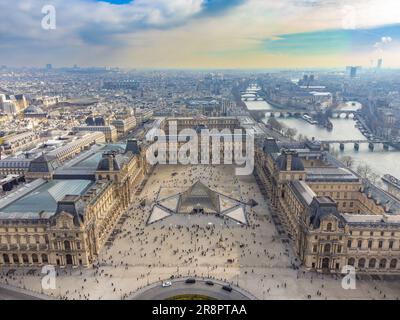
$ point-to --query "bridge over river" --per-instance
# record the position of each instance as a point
(371, 143)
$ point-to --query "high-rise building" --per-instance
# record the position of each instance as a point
(352, 70)
(380, 63)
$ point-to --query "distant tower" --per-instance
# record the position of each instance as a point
(49, 66)
(380, 63)
(352, 71)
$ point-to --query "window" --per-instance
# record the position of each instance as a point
(393, 264)
(315, 248)
(45, 258)
(15, 258)
(25, 258)
(35, 258)
(349, 243)
(382, 233)
(359, 244)
(382, 264)
(391, 243)
(380, 245)
(67, 245)
(351, 262)
(369, 244)
(329, 227)
(361, 263)
(6, 258)
(339, 249)
(372, 263)
(327, 248)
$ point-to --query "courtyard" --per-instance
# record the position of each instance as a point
(252, 257)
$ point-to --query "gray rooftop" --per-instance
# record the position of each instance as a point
(44, 198)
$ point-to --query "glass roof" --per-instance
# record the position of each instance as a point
(46, 196)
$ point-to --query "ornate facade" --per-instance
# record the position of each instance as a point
(331, 216)
(75, 233)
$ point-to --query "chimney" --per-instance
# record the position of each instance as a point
(110, 162)
(289, 158)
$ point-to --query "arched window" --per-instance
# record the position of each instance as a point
(67, 245)
(361, 263)
(325, 263)
(382, 264)
(329, 227)
(68, 259)
(351, 262)
(372, 263)
(6, 258)
(25, 258)
(35, 258)
(45, 259)
(393, 264)
(15, 258)
(327, 248)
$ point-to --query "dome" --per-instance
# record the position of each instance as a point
(288, 155)
(33, 109)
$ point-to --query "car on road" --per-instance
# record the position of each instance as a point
(209, 283)
(227, 288)
(166, 284)
(190, 280)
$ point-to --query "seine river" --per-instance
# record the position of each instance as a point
(380, 160)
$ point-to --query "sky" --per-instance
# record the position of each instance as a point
(201, 33)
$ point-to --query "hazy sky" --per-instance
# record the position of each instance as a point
(202, 33)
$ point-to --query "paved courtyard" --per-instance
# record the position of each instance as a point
(252, 257)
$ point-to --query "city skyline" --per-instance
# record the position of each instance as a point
(202, 34)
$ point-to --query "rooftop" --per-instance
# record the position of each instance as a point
(43, 198)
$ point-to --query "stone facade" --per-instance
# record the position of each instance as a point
(81, 225)
(330, 215)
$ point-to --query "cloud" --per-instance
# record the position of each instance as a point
(382, 44)
(93, 31)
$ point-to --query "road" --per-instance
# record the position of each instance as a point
(11, 294)
(157, 292)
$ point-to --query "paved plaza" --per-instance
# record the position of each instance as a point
(252, 257)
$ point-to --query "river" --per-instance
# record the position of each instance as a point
(381, 161)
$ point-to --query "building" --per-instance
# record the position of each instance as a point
(12, 104)
(143, 115)
(20, 164)
(76, 146)
(66, 221)
(123, 126)
(330, 215)
(20, 141)
(110, 132)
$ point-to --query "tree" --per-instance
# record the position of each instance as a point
(291, 132)
(348, 161)
(363, 170)
(366, 172)
(274, 124)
